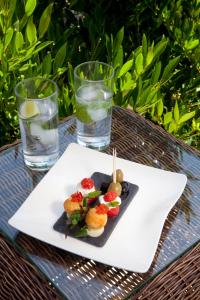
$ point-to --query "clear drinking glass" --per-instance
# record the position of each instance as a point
(38, 119)
(93, 82)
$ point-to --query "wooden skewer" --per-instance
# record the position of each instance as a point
(114, 165)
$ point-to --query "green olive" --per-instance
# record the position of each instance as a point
(115, 187)
(119, 175)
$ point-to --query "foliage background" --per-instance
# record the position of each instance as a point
(154, 47)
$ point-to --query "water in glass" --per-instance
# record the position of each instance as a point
(93, 112)
(39, 133)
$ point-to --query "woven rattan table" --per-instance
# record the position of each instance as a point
(31, 269)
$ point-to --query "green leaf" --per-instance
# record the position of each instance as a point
(85, 202)
(125, 68)
(19, 41)
(46, 64)
(160, 107)
(82, 232)
(70, 76)
(137, 51)
(25, 67)
(144, 95)
(149, 56)
(144, 48)
(186, 117)
(139, 88)
(12, 7)
(156, 73)
(167, 118)
(30, 7)
(109, 48)
(118, 60)
(191, 44)
(1, 49)
(152, 96)
(113, 204)
(4, 64)
(128, 85)
(139, 64)
(60, 58)
(168, 71)
(94, 194)
(178, 33)
(118, 40)
(176, 112)
(75, 218)
(31, 31)
(45, 20)
(172, 127)
(159, 48)
(42, 46)
(8, 37)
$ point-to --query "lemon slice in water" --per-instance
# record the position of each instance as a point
(29, 109)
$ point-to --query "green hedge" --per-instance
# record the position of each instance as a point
(154, 48)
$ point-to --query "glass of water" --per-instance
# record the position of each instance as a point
(38, 119)
(93, 82)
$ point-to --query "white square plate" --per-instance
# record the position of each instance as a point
(133, 242)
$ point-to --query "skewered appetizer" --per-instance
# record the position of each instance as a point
(96, 219)
(112, 201)
(73, 203)
(77, 206)
(86, 186)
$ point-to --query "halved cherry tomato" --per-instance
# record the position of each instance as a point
(113, 212)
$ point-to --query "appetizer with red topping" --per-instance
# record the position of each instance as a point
(112, 201)
(86, 186)
(96, 219)
(73, 203)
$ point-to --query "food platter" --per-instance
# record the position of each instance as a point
(134, 240)
(99, 241)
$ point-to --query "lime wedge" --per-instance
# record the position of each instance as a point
(93, 112)
(29, 109)
(82, 115)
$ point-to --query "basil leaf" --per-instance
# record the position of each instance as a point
(113, 204)
(75, 218)
(94, 194)
(85, 202)
(82, 232)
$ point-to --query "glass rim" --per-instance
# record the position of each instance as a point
(94, 62)
(32, 78)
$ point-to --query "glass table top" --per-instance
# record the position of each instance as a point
(76, 277)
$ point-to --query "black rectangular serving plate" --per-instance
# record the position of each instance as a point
(100, 241)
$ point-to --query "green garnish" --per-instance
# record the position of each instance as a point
(113, 204)
(93, 194)
(75, 218)
(82, 232)
(90, 196)
(85, 202)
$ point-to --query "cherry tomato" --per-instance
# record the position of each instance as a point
(110, 196)
(113, 212)
(87, 183)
